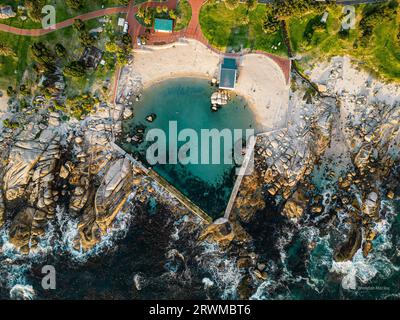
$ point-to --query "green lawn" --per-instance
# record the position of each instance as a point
(184, 12)
(225, 30)
(382, 55)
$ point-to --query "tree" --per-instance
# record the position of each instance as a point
(86, 39)
(159, 9)
(141, 12)
(172, 14)
(245, 20)
(34, 8)
(42, 53)
(5, 50)
(75, 69)
(79, 25)
(270, 24)
(251, 4)
(60, 50)
(398, 37)
(232, 4)
(126, 39)
(122, 57)
(147, 20)
(111, 46)
(165, 9)
(74, 4)
(11, 92)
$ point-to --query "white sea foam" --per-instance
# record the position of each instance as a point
(14, 266)
(22, 292)
(224, 272)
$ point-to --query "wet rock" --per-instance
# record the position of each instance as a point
(113, 192)
(151, 118)
(295, 207)
(390, 195)
(244, 263)
(64, 172)
(250, 198)
(317, 209)
(26, 227)
(2, 209)
(347, 250)
(367, 248)
(245, 289)
(261, 275)
(371, 205)
(220, 231)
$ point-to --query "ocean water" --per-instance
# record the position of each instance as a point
(187, 102)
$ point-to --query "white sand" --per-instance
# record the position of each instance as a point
(263, 83)
(182, 59)
(260, 79)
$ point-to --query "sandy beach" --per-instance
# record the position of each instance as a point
(260, 79)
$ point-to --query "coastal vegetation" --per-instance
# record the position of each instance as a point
(183, 14)
(373, 40)
(53, 65)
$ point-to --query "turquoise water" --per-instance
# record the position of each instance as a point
(187, 101)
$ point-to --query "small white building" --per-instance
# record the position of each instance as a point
(121, 22)
(325, 17)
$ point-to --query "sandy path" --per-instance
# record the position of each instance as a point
(260, 80)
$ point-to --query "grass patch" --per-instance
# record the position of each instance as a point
(381, 55)
(230, 29)
(184, 13)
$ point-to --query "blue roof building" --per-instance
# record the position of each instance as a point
(228, 74)
(163, 25)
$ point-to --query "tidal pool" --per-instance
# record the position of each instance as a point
(186, 101)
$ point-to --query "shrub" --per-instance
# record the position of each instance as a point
(74, 4)
(75, 69)
(232, 4)
(10, 124)
(86, 39)
(5, 50)
(270, 24)
(60, 50)
(79, 25)
(172, 14)
(252, 4)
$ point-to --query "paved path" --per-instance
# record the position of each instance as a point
(63, 24)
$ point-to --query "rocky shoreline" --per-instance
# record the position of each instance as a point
(332, 169)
